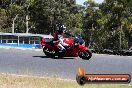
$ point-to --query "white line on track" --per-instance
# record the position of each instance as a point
(129, 57)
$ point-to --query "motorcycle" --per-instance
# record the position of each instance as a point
(75, 48)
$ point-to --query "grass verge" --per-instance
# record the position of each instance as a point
(14, 81)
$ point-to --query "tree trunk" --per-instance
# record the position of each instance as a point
(120, 39)
(27, 29)
(13, 23)
(91, 36)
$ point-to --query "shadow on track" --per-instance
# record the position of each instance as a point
(41, 56)
(55, 58)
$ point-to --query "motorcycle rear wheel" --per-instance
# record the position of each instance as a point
(46, 53)
(52, 55)
(86, 55)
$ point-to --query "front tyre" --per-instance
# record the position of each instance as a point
(86, 55)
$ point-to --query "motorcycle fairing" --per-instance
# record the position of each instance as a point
(82, 47)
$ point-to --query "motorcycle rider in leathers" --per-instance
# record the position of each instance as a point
(59, 36)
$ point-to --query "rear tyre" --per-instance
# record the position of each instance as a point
(50, 54)
(86, 55)
(47, 53)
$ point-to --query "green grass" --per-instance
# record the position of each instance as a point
(14, 81)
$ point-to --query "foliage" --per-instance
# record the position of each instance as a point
(108, 26)
(104, 25)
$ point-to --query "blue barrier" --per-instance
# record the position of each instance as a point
(22, 45)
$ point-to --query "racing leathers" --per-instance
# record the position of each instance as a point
(59, 37)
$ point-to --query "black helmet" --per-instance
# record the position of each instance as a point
(61, 29)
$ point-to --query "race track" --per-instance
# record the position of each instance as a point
(34, 62)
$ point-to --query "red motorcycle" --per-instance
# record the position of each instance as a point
(75, 49)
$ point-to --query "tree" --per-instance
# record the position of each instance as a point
(91, 20)
(116, 12)
(3, 21)
(46, 14)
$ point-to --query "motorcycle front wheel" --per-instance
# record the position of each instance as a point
(86, 55)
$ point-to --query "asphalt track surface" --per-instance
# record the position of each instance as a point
(34, 62)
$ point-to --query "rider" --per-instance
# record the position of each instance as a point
(59, 37)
